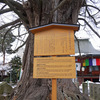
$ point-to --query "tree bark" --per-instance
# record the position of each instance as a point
(4, 57)
(39, 12)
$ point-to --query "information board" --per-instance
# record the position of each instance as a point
(54, 67)
(54, 42)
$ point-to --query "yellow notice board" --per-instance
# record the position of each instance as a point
(54, 67)
(54, 42)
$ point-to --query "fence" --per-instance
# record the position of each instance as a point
(92, 90)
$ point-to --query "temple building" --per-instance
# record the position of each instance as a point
(87, 61)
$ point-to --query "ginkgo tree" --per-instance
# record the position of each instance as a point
(32, 13)
(5, 42)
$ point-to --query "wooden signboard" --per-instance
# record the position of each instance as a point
(54, 42)
(54, 67)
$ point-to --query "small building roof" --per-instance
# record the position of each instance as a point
(74, 27)
(86, 47)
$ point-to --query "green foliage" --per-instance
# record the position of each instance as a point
(8, 39)
(5, 89)
(7, 79)
(15, 63)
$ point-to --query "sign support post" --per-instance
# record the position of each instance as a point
(54, 89)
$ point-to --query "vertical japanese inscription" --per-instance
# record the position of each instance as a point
(54, 42)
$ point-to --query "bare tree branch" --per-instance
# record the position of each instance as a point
(18, 39)
(12, 7)
(60, 5)
(91, 15)
(21, 34)
(14, 3)
(93, 7)
(2, 1)
(94, 1)
(98, 22)
(4, 37)
(89, 26)
(17, 8)
(9, 24)
(19, 30)
(14, 51)
(78, 45)
(5, 11)
(3, 7)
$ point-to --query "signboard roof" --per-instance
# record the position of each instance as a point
(74, 27)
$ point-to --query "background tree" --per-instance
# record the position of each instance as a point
(6, 38)
(14, 71)
(15, 64)
(34, 13)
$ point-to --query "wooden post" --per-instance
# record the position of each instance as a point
(54, 89)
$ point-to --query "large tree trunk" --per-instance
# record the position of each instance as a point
(39, 12)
